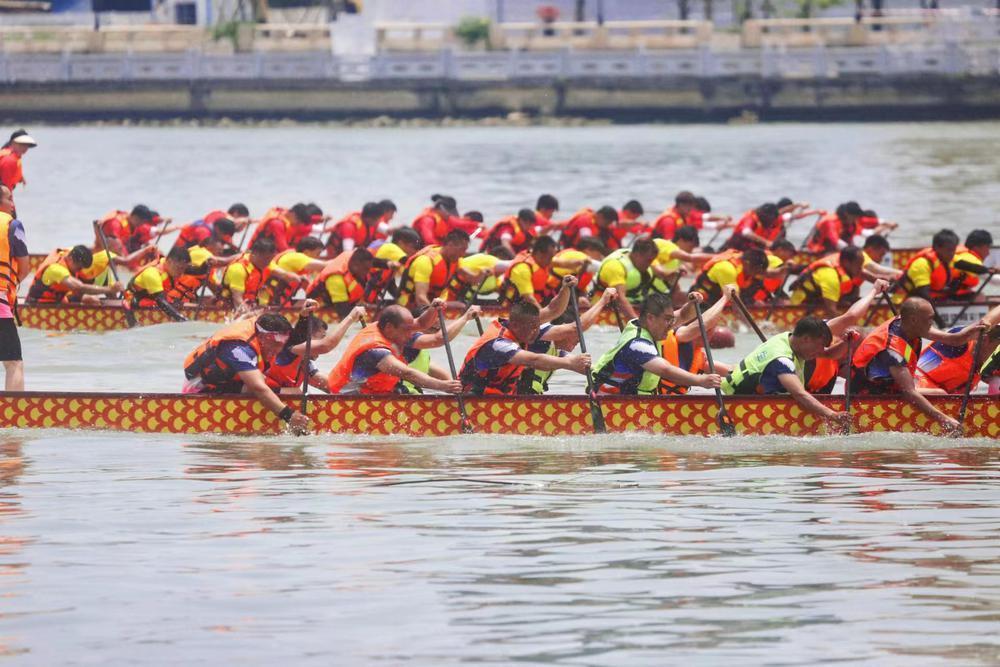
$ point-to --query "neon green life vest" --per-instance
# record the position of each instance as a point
(745, 378)
(422, 363)
(604, 372)
(635, 280)
(534, 381)
(992, 365)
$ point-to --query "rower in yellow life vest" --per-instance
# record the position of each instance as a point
(929, 274)
(628, 271)
(430, 271)
(582, 262)
(341, 283)
(233, 360)
(944, 369)
(373, 362)
(390, 257)
(968, 265)
(284, 373)
(290, 270)
(528, 275)
(243, 278)
(151, 285)
(671, 257)
(56, 282)
(829, 283)
(886, 360)
(744, 269)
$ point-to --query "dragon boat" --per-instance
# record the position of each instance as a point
(426, 416)
(112, 317)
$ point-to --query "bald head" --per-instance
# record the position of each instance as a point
(917, 316)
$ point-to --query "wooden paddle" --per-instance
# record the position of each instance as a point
(304, 364)
(466, 422)
(126, 307)
(722, 418)
(596, 414)
(749, 318)
(847, 387)
(968, 382)
(472, 300)
(979, 291)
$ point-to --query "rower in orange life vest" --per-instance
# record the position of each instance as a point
(150, 286)
(434, 222)
(341, 283)
(11, 170)
(243, 278)
(944, 369)
(284, 373)
(838, 229)
(528, 276)
(128, 231)
(829, 283)
(886, 360)
(587, 223)
(683, 348)
(206, 257)
(629, 222)
(629, 272)
(373, 361)
(545, 208)
(967, 265)
(427, 335)
(233, 361)
(515, 233)
(430, 271)
(285, 228)
(495, 362)
(676, 216)
(290, 270)
(197, 232)
(56, 282)
(390, 257)
(758, 228)
(746, 270)
(356, 230)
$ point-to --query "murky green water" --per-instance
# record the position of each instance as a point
(631, 550)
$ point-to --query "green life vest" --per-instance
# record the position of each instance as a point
(635, 280)
(992, 365)
(604, 372)
(745, 378)
(534, 381)
(422, 362)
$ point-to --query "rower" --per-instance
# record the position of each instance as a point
(390, 256)
(495, 362)
(120, 228)
(432, 223)
(284, 373)
(635, 365)
(515, 233)
(587, 223)
(671, 255)
(944, 369)
(417, 352)
(200, 272)
(677, 216)
(55, 280)
(428, 272)
(150, 286)
(243, 278)
(233, 361)
(290, 270)
(758, 228)
(357, 230)
(480, 271)
(886, 360)
(98, 272)
(217, 223)
(630, 221)
(341, 283)
(581, 262)
(968, 265)
(373, 362)
(835, 230)
(545, 208)
(628, 271)
(286, 227)
(527, 278)
(828, 283)
(928, 274)
(777, 367)
(683, 346)
(779, 266)
(875, 248)
(746, 270)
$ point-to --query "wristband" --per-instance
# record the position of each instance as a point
(286, 414)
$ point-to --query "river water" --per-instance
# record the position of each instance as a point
(124, 548)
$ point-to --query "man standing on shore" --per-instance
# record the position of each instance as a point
(13, 269)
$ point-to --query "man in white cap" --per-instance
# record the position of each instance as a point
(11, 174)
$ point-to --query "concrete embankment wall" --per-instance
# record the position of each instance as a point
(862, 97)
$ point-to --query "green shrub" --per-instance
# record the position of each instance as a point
(472, 30)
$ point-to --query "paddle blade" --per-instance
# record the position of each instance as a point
(726, 426)
(597, 417)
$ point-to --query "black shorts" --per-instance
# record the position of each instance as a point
(10, 342)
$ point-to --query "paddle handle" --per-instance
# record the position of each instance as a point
(596, 414)
(466, 424)
(979, 291)
(749, 318)
(848, 394)
(472, 300)
(104, 241)
(972, 374)
(306, 360)
(725, 422)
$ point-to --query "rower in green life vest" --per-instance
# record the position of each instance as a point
(417, 352)
(777, 366)
(628, 271)
(635, 365)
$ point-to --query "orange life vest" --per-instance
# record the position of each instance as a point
(539, 279)
(441, 275)
(584, 218)
(255, 278)
(830, 262)
(667, 224)
(520, 236)
(275, 213)
(338, 266)
(125, 228)
(936, 370)
(367, 339)
(498, 381)
(713, 290)
(441, 226)
(820, 375)
(672, 353)
(962, 283)
(940, 273)
(278, 292)
(880, 340)
(818, 242)
(8, 272)
(284, 375)
(140, 297)
(39, 292)
(215, 374)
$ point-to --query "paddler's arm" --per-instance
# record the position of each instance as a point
(907, 387)
(667, 371)
(793, 385)
(838, 325)
(874, 270)
(436, 339)
(390, 365)
(689, 333)
(562, 332)
(163, 304)
(217, 261)
(578, 363)
(333, 337)
(959, 337)
(77, 285)
(23, 267)
(135, 256)
(558, 304)
(255, 384)
(691, 257)
(623, 306)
